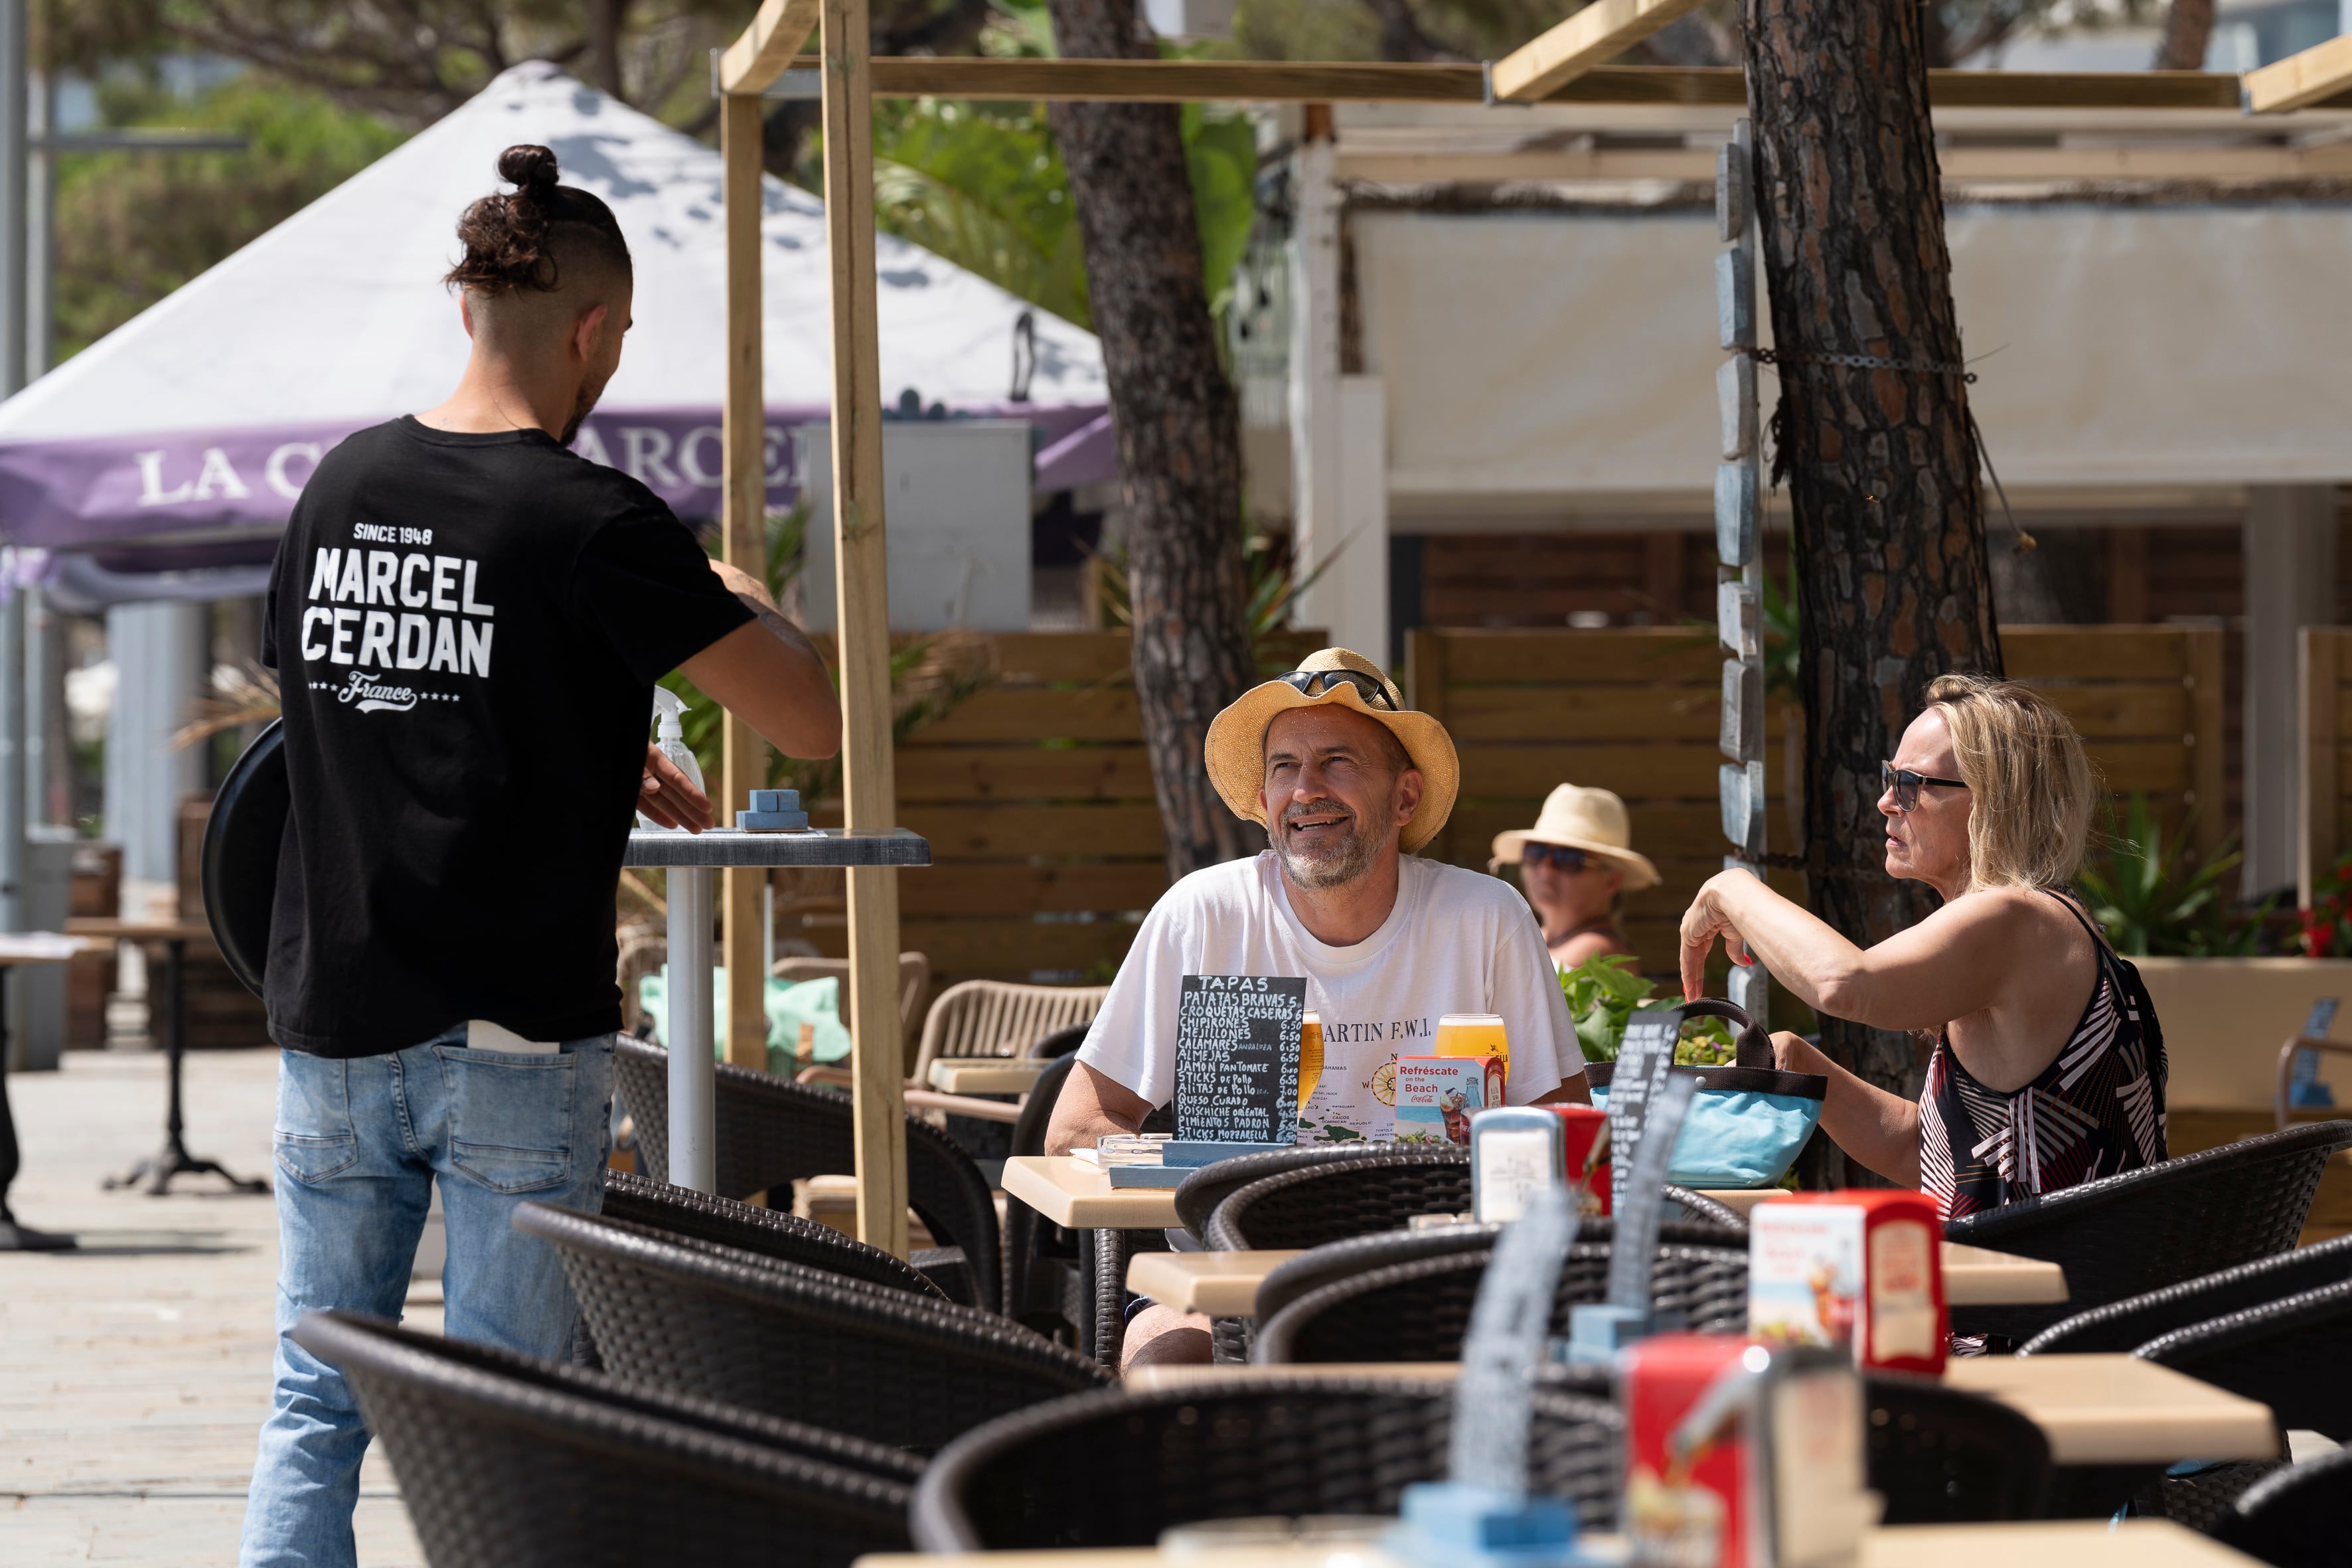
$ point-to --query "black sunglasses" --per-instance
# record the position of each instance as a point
(1314, 683)
(1559, 856)
(1905, 784)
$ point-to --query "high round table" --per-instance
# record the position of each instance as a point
(689, 858)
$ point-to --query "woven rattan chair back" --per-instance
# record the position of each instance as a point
(1332, 1200)
(2122, 1327)
(2293, 1356)
(914, 984)
(998, 1018)
(505, 1462)
(2126, 1235)
(681, 1211)
(1209, 1185)
(2299, 1517)
(879, 1363)
(1942, 1455)
(1117, 1468)
(1041, 1258)
(1699, 1209)
(1408, 1297)
(772, 1133)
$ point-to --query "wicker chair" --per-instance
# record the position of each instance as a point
(1116, 1468)
(1942, 1455)
(2125, 1236)
(2295, 1355)
(841, 1353)
(507, 1462)
(1209, 1185)
(998, 1018)
(1044, 1270)
(681, 1211)
(2122, 1327)
(772, 1133)
(1332, 1200)
(2300, 1517)
(1408, 1297)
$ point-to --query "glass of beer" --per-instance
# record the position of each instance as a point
(1473, 1035)
(1311, 1056)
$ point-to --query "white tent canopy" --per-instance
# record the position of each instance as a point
(201, 417)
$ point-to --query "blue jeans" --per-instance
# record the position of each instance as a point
(358, 1145)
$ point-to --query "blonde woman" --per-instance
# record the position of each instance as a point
(1577, 864)
(2049, 1066)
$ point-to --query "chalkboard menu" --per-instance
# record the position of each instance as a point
(1237, 1058)
(1643, 1063)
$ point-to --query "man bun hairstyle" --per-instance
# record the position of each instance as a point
(528, 237)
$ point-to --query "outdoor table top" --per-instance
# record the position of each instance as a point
(110, 929)
(2093, 1409)
(987, 1074)
(2040, 1543)
(1225, 1284)
(817, 847)
(40, 947)
(1074, 1193)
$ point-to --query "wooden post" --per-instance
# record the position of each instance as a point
(863, 592)
(2318, 677)
(744, 518)
(2208, 757)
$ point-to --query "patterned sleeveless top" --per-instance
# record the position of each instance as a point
(2096, 1109)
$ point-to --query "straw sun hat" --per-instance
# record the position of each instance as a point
(1592, 820)
(1236, 750)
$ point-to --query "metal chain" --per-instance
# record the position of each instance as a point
(1860, 362)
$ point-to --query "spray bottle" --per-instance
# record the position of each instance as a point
(667, 708)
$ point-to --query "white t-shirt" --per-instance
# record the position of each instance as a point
(1456, 942)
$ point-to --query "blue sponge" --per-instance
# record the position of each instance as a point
(773, 811)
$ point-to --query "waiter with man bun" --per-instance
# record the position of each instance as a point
(468, 620)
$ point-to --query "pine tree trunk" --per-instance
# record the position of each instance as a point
(1880, 460)
(1179, 429)
(2187, 29)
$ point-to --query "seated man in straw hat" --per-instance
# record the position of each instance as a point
(1349, 782)
(1577, 864)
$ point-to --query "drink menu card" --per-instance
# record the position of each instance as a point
(1643, 1062)
(1237, 1058)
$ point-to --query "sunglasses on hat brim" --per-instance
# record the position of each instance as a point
(1315, 682)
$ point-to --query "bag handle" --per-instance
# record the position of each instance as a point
(1752, 1047)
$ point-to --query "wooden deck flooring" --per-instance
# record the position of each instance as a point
(135, 1373)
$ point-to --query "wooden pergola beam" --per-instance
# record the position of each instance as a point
(759, 54)
(1283, 82)
(2299, 81)
(1593, 36)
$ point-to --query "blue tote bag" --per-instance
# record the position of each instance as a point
(1748, 1119)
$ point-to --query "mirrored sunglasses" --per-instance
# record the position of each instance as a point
(1315, 682)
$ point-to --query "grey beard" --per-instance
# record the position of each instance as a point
(1336, 868)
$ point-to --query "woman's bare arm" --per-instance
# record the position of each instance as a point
(1953, 963)
(1878, 1128)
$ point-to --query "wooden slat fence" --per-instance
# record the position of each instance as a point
(1036, 795)
(1037, 798)
(1636, 709)
(2324, 802)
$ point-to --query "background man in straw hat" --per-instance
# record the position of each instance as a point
(1577, 863)
(1349, 782)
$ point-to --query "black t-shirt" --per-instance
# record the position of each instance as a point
(467, 629)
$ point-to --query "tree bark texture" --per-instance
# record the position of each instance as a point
(1880, 458)
(2187, 29)
(1179, 428)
